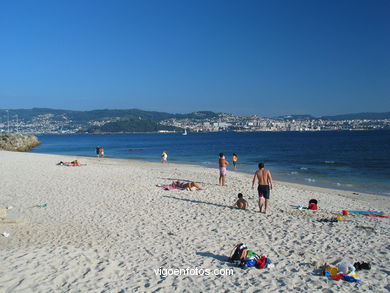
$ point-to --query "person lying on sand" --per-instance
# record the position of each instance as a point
(241, 203)
(186, 185)
(75, 163)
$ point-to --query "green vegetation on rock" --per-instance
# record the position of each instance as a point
(130, 125)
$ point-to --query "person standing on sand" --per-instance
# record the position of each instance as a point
(264, 179)
(98, 151)
(222, 169)
(101, 152)
(235, 159)
(164, 157)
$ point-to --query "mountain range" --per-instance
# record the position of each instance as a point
(353, 116)
(82, 116)
(135, 120)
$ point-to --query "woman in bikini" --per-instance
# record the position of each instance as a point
(187, 186)
(75, 163)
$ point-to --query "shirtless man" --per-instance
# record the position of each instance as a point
(241, 203)
(264, 179)
(222, 169)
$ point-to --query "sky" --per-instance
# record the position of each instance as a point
(268, 58)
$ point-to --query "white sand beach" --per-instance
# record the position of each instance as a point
(108, 228)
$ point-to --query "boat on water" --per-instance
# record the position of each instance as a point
(185, 132)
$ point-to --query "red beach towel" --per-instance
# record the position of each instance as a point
(376, 216)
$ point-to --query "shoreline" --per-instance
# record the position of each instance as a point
(328, 169)
(202, 132)
(303, 185)
(344, 192)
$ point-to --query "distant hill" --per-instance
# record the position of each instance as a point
(359, 116)
(130, 125)
(101, 121)
(84, 116)
(45, 120)
(296, 117)
(353, 116)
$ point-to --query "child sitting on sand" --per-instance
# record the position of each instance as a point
(241, 203)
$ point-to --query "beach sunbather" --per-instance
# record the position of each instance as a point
(241, 203)
(186, 185)
(75, 163)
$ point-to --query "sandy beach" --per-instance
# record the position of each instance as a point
(108, 228)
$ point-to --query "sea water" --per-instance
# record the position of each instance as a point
(351, 160)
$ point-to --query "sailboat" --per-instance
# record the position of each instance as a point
(185, 132)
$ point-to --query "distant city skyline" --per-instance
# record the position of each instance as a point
(253, 57)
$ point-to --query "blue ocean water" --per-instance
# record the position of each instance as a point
(352, 160)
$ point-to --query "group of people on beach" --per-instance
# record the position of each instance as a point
(262, 176)
(223, 167)
(100, 152)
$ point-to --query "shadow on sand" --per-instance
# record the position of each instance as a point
(185, 180)
(198, 201)
(222, 258)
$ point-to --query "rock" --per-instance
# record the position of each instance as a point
(18, 142)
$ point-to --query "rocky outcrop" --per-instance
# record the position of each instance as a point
(18, 142)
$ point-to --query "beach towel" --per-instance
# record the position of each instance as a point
(376, 216)
(366, 212)
(169, 187)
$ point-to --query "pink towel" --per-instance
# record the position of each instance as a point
(169, 186)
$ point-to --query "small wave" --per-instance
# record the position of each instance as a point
(303, 168)
(338, 183)
(330, 162)
(310, 179)
(293, 173)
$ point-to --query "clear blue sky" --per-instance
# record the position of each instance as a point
(243, 57)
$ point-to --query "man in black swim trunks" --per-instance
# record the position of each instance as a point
(265, 185)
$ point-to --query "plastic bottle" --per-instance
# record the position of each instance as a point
(42, 205)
